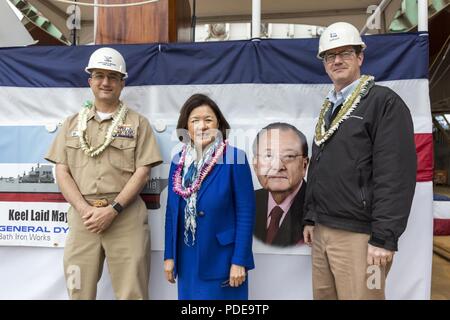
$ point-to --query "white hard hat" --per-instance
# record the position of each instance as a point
(108, 59)
(337, 35)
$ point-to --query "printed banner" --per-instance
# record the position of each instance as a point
(39, 224)
(254, 83)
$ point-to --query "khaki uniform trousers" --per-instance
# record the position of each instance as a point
(340, 269)
(126, 246)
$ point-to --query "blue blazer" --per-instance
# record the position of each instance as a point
(225, 217)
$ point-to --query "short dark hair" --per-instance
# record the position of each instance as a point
(196, 101)
(358, 49)
(283, 126)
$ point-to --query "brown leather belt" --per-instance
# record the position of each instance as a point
(98, 203)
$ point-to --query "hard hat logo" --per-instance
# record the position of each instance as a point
(337, 35)
(107, 62)
(108, 59)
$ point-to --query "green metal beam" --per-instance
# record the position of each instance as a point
(406, 18)
(32, 14)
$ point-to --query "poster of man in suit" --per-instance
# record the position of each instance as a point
(280, 161)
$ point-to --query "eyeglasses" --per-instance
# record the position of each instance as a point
(284, 158)
(99, 77)
(345, 55)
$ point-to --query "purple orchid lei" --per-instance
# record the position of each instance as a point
(177, 177)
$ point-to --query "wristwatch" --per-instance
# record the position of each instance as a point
(117, 206)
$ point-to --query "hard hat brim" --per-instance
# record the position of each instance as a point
(89, 70)
(360, 44)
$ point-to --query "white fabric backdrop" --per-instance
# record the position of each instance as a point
(37, 273)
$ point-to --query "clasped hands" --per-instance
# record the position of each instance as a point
(98, 219)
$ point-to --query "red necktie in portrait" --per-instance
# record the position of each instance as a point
(275, 217)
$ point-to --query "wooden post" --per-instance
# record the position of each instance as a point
(162, 21)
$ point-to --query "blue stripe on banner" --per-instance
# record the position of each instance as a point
(24, 144)
(29, 144)
(388, 57)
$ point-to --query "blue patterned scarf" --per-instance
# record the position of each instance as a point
(191, 169)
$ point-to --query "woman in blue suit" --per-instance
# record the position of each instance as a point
(210, 208)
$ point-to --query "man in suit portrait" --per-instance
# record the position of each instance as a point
(280, 161)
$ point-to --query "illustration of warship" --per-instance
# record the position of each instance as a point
(39, 185)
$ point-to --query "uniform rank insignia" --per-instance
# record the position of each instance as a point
(74, 133)
(124, 131)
